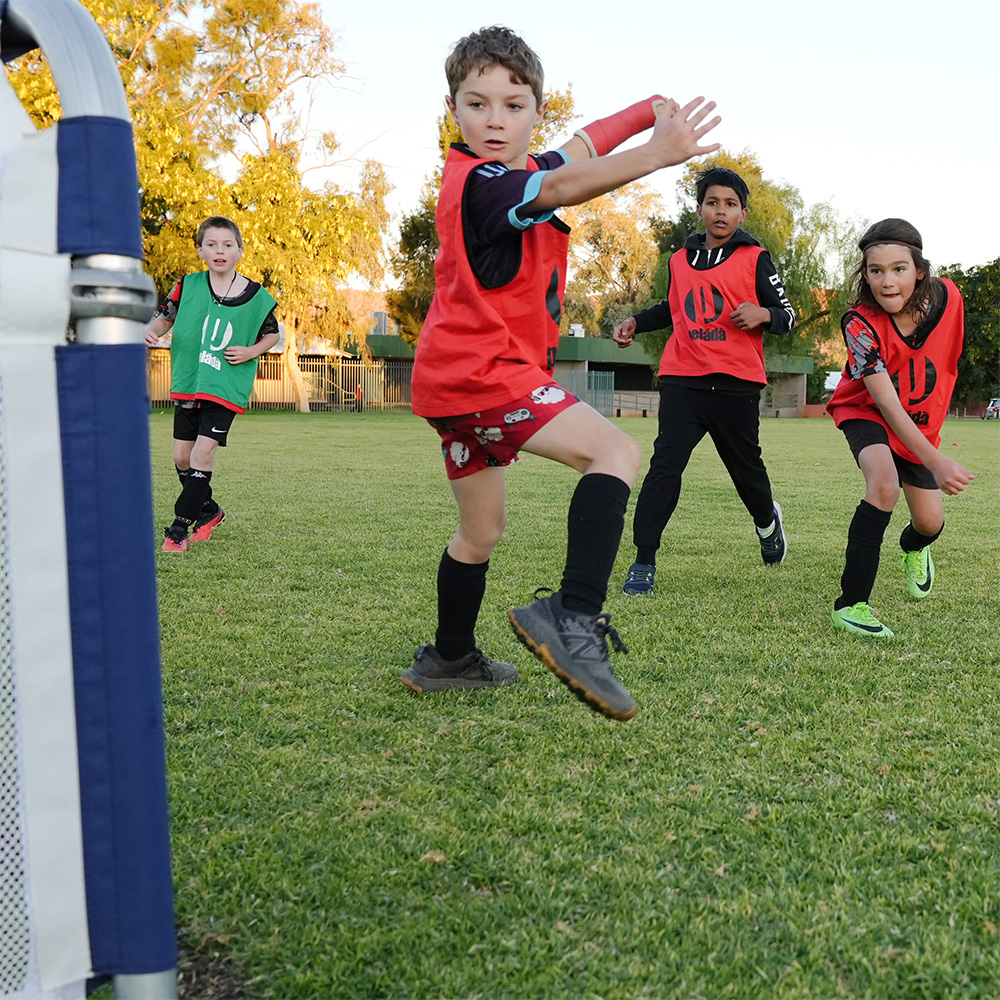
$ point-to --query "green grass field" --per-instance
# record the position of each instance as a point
(792, 812)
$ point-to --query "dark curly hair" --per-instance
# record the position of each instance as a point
(495, 46)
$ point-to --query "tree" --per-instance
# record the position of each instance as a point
(811, 248)
(222, 84)
(412, 261)
(613, 255)
(979, 364)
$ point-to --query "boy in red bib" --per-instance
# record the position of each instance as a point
(904, 335)
(483, 369)
(724, 291)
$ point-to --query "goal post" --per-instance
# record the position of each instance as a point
(86, 886)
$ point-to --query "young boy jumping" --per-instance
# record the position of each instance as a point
(483, 370)
(724, 290)
(222, 322)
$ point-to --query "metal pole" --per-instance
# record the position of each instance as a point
(110, 297)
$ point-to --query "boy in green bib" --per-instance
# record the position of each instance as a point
(221, 323)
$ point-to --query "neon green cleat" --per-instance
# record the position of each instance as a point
(919, 569)
(860, 620)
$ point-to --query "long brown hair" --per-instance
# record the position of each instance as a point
(928, 291)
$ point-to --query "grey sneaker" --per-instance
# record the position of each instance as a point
(430, 672)
(774, 546)
(574, 647)
(639, 581)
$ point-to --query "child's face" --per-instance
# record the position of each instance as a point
(891, 275)
(219, 250)
(496, 117)
(721, 213)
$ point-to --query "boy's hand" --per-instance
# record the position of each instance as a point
(152, 339)
(748, 316)
(677, 132)
(950, 476)
(624, 332)
(237, 355)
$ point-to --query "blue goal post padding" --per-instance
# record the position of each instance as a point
(98, 188)
(104, 430)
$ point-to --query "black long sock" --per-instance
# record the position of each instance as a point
(912, 541)
(646, 556)
(460, 590)
(864, 540)
(197, 488)
(595, 523)
(209, 506)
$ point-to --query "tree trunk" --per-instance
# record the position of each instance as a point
(291, 359)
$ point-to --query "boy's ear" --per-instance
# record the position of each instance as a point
(542, 109)
(450, 105)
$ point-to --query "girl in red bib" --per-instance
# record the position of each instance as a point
(904, 335)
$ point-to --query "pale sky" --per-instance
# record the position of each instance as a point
(880, 107)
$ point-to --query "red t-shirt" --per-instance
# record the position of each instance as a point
(484, 346)
(705, 340)
(923, 368)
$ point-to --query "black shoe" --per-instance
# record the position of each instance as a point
(574, 647)
(474, 670)
(773, 547)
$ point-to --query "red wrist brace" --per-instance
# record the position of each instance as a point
(607, 134)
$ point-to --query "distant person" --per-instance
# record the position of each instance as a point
(221, 323)
(904, 335)
(483, 369)
(724, 293)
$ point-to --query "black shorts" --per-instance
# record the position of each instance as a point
(860, 433)
(202, 417)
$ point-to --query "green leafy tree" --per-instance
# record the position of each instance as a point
(217, 88)
(979, 364)
(412, 261)
(613, 254)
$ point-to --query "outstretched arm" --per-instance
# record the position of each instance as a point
(675, 138)
(606, 134)
(948, 474)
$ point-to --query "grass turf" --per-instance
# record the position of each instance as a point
(792, 813)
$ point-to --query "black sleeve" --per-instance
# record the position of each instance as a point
(270, 325)
(771, 295)
(654, 318)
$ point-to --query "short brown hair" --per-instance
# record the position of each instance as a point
(927, 293)
(218, 222)
(495, 46)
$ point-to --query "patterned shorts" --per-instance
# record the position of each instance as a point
(492, 438)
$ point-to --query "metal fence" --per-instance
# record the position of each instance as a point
(344, 384)
(332, 383)
(595, 388)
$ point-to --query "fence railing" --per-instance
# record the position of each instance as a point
(344, 384)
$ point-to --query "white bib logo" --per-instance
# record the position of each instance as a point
(227, 335)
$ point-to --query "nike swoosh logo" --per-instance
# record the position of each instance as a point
(862, 625)
(924, 586)
(216, 430)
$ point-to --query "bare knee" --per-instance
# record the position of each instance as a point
(883, 494)
(618, 455)
(475, 543)
(203, 454)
